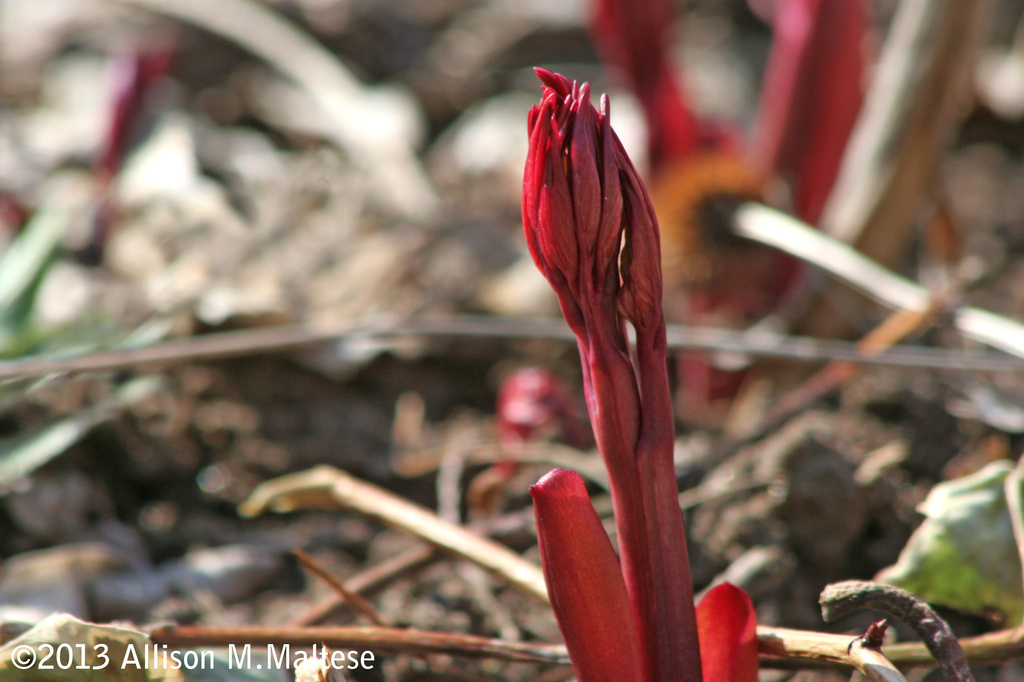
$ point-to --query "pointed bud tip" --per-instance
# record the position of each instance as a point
(727, 629)
(555, 81)
(561, 484)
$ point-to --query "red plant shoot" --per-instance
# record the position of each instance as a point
(592, 232)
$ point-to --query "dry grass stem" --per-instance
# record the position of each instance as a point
(291, 338)
(374, 578)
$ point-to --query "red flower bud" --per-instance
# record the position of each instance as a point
(582, 197)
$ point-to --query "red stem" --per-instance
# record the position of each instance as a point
(638, 455)
(677, 646)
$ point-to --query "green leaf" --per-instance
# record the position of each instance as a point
(23, 265)
(964, 554)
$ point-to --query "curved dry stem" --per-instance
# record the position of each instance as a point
(842, 598)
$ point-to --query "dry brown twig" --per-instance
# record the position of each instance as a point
(380, 575)
(373, 578)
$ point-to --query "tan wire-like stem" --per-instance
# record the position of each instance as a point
(349, 595)
(293, 338)
(372, 578)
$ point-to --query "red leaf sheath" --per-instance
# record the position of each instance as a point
(813, 89)
(635, 36)
(586, 587)
(728, 635)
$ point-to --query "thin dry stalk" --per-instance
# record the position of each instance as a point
(325, 487)
(374, 578)
(292, 338)
(380, 575)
